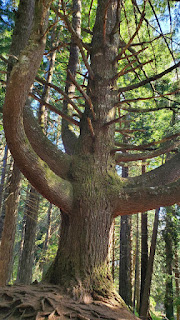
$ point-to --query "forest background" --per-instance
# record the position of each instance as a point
(38, 222)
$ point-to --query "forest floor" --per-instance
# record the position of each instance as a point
(41, 301)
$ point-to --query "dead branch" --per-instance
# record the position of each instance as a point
(89, 13)
(120, 73)
(71, 102)
(126, 157)
(129, 130)
(146, 98)
(54, 109)
(90, 127)
(114, 121)
(135, 33)
(148, 80)
(78, 41)
(86, 97)
(131, 55)
(146, 146)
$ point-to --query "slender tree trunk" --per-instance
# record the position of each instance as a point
(3, 173)
(113, 251)
(47, 238)
(147, 286)
(144, 252)
(22, 232)
(144, 247)
(125, 267)
(137, 276)
(27, 257)
(177, 276)
(169, 299)
(8, 235)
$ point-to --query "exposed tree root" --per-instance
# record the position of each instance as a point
(40, 302)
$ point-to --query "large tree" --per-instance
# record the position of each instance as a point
(82, 181)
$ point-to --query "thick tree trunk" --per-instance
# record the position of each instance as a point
(82, 258)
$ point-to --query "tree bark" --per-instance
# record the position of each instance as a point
(136, 301)
(144, 252)
(27, 257)
(125, 267)
(147, 286)
(2, 187)
(168, 238)
(8, 235)
(144, 248)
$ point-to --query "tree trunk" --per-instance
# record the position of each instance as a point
(177, 276)
(144, 252)
(2, 187)
(125, 267)
(8, 235)
(147, 286)
(144, 248)
(168, 237)
(27, 257)
(137, 276)
(82, 260)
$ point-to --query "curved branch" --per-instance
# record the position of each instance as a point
(57, 160)
(167, 173)
(126, 157)
(138, 199)
(51, 186)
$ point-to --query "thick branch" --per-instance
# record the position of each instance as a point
(55, 189)
(57, 161)
(130, 200)
(167, 173)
